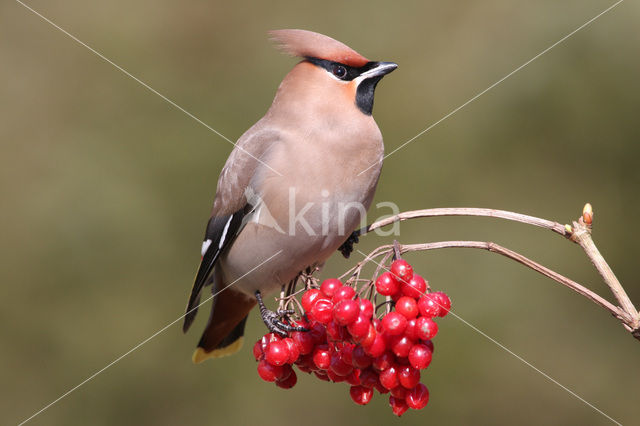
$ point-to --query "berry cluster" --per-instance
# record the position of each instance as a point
(348, 342)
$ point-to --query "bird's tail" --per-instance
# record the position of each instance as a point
(224, 332)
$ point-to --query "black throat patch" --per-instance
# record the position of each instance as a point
(366, 88)
(364, 94)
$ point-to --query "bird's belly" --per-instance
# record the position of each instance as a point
(264, 258)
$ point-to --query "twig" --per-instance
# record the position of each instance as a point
(496, 248)
(579, 233)
(468, 211)
(582, 235)
(396, 250)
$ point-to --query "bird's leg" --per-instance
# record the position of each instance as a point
(274, 320)
(347, 247)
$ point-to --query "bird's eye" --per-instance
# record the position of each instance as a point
(339, 71)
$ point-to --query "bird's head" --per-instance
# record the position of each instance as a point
(330, 70)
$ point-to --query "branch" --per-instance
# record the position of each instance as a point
(496, 248)
(468, 211)
(580, 233)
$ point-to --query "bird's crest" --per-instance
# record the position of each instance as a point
(309, 44)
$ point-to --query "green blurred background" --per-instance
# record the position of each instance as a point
(106, 189)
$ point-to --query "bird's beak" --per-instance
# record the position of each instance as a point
(379, 70)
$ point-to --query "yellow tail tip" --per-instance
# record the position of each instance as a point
(200, 355)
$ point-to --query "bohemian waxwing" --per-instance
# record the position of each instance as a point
(296, 185)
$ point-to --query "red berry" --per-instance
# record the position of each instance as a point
(411, 331)
(360, 394)
(277, 353)
(330, 286)
(359, 328)
(294, 352)
(418, 397)
(420, 356)
(366, 308)
(289, 382)
(305, 368)
(268, 338)
(387, 284)
(339, 367)
(378, 324)
(377, 348)
(408, 376)
(322, 375)
(384, 361)
(318, 333)
(305, 363)
(286, 371)
(322, 311)
(354, 378)
(426, 328)
(407, 306)
(359, 358)
(398, 405)
(400, 345)
(322, 357)
(371, 336)
(346, 311)
(304, 341)
(343, 293)
(444, 302)
(381, 389)
(368, 378)
(309, 298)
(415, 287)
(336, 332)
(389, 377)
(336, 378)
(429, 344)
(397, 295)
(269, 372)
(258, 353)
(399, 392)
(402, 360)
(346, 353)
(402, 270)
(394, 323)
(429, 306)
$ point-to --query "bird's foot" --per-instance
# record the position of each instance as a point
(347, 247)
(275, 321)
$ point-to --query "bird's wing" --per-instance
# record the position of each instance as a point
(221, 230)
(230, 206)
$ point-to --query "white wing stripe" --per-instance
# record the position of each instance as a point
(224, 232)
(205, 246)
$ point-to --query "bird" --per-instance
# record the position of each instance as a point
(293, 189)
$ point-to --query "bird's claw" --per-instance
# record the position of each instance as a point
(347, 247)
(275, 320)
(275, 324)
